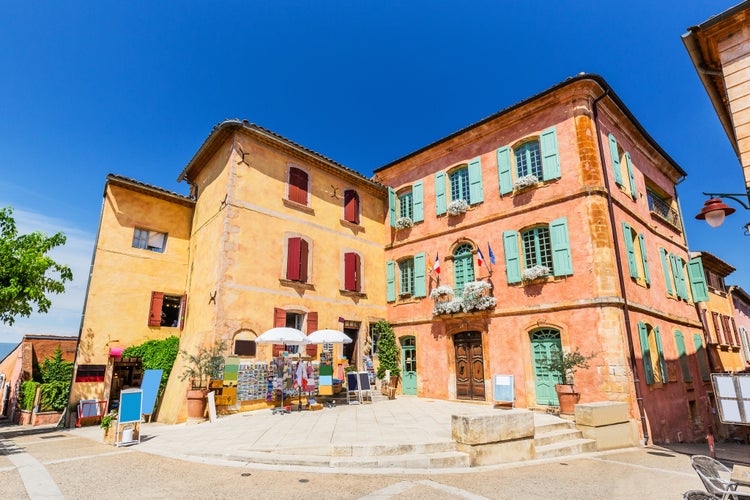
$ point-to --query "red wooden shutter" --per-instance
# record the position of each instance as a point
(292, 259)
(736, 333)
(357, 273)
(706, 329)
(351, 206)
(298, 186)
(350, 271)
(182, 311)
(303, 252)
(279, 319)
(312, 325)
(154, 319)
(719, 336)
(727, 330)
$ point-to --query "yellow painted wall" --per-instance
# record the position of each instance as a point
(123, 277)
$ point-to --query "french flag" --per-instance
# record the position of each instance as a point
(436, 266)
(480, 257)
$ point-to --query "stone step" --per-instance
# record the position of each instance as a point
(553, 426)
(442, 460)
(376, 450)
(566, 448)
(556, 436)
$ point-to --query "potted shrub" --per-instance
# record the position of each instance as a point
(525, 181)
(404, 223)
(107, 422)
(200, 368)
(564, 365)
(388, 353)
(457, 207)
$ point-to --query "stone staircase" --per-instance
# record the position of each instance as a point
(553, 437)
(558, 438)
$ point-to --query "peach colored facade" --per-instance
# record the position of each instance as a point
(226, 256)
(598, 307)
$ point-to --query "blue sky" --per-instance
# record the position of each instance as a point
(134, 88)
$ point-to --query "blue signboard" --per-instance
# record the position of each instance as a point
(131, 403)
(150, 387)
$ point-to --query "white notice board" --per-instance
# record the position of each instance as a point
(503, 389)
(733, 397)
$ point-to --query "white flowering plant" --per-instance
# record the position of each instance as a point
(535, 272)
(525, 181)
(404, 223)
(475, 298)
(457, 207)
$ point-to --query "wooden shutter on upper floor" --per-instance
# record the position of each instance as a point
(717, 328)
(627, 234)
(697, 279)
(512, 256)
(420, 278)
(629, 165)
(706, 328)
(562, 262)
(183, 311)
(351, 272)
(441, 204)
(154, 318)
(660, 351)
(702, 356)
(550, 157)
(392, 206)
(293, 258)
(666, 270)
(725, 326)
(417, 201)
(476, 193)
(644, 259)
(312, 325)
(736, 332)
(390, 281)
(648, 367)
(615, 156)
(298, 185)
(351, 206)
(505, 178)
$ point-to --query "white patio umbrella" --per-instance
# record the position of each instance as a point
(282, 335)
(329, 337)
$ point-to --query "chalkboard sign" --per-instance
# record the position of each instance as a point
(131, 403)
(504, 391)
(364, 381)
(352, 381)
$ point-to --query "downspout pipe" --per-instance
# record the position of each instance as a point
(618, 261)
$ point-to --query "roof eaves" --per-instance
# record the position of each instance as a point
(149, 189)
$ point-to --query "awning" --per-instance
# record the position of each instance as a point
(116, 352)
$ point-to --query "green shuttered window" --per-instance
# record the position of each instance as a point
(463, 268)
(547, 246)
(390, 280)
(679, 341)
(537, 157)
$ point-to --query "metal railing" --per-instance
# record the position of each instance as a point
(663, 210)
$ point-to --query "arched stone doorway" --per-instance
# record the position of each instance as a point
(469, 366)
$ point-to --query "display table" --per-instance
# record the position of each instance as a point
(741, 475)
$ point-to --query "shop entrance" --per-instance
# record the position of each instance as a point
(544, 342)
(126, 373)
(469, 366)
(409, 366)
(351, 328)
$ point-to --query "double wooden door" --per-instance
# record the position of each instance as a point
(469, 366)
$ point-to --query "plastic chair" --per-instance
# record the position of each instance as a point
(710, 471)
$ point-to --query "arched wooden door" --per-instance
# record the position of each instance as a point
(544, 342)
(469, 366)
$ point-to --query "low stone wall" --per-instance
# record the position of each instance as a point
(26, 417)
(607, 423)
(495, 437)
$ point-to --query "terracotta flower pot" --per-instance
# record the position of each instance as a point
(197, 402)
(567, 396)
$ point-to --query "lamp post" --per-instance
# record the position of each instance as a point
(714, 210)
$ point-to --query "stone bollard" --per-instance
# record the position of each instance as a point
(607, 423)
(495, 437)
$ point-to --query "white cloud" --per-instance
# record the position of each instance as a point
(64, 316)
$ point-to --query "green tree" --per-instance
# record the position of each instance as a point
(27, 273)
(388, 350)
(56, 369)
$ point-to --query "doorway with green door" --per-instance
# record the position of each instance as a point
(545, 341)
(409, 366)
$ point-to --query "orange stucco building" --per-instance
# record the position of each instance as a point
(590, 253)
(566, 192)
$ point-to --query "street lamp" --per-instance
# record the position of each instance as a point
(715, 210)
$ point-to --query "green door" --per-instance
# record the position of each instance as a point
(409, 366)
(544, 342)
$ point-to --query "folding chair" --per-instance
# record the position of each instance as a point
(715, 477)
